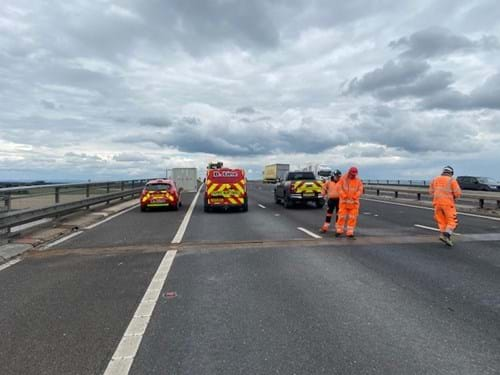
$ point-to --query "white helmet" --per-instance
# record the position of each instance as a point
(448, 170)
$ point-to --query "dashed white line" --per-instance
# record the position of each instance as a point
(432, 209)
(308, 232)
(124, 355)
(261, 205)
(431, 228)
(9, 263)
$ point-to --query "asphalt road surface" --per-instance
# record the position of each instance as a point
(251, 293)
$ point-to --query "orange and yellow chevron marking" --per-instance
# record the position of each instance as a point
(307, 186)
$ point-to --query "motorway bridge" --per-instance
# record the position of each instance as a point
(189, 292)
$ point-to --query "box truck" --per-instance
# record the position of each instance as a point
(275, 172)
(185, 178)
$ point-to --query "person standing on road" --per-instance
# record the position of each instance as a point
(330, 191)
(444, 191)
(350, 190)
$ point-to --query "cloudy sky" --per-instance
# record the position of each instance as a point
(120, 89)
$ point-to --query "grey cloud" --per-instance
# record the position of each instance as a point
(233, 137)
(415, 133)
(393, 73)
(159, 122)
(423, 86)
(48, 104)
(130, 157)
(486, 96)
(246, 110)
(437, 41)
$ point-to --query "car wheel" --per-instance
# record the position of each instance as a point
(144, 208)
(276, 199)
(176, 207)
(287, 202)
(244, 208)
(206, 207)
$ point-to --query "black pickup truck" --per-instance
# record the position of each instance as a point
(299, 187)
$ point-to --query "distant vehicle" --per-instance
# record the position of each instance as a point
(321, 171)
(185, 178)
(478, 183)
(160, 193)
(225, 188)
(275, 172)
(299, 187)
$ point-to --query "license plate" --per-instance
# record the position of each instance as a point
(308, 194)
(159, 200)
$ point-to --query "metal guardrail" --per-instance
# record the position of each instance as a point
(480, 196)
(397, 182)
(23, 204)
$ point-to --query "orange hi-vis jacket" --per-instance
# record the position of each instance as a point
(350, 190)
(444, 190)
(331, 188)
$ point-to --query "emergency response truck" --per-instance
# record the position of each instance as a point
(225, 188)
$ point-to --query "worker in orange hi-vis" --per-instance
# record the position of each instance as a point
(444, 191)
(330, 190)
(350, 190)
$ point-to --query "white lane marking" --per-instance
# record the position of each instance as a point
(308, 232)
(124, 355)
(60, 240)
(432, 209)
(9, 263)
(187, 217)
(112, 217)
(261, 205)
(431, 228)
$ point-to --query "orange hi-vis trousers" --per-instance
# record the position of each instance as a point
(348, 214)
(446, 217)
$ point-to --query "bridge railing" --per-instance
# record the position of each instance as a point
(479, 196)
(397, 182)
(23, 204)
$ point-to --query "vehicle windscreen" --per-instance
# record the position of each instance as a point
(295, 176)
(158, 187)
(486, 180)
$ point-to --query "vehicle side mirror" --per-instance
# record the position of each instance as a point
(180, 190)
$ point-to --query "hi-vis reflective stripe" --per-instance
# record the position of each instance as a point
(307, 186)
(226, 193)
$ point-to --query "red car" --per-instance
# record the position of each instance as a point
(160, 193)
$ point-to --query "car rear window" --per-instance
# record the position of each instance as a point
(295, 176)
(158, 187)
